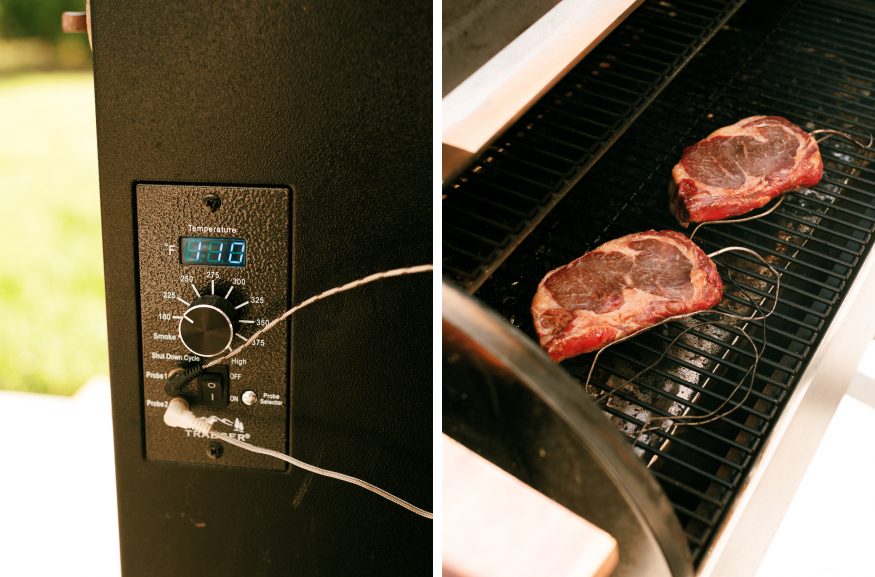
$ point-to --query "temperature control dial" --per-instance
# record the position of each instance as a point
(207, 327)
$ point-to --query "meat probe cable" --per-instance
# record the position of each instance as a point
(180, 378)
(671, 343)
(323, 295)
(753, 317)
(714, 414)
(179, 415)
(830, 132)
(694, 420)
(737, 220)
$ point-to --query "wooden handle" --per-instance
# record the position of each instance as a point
(77, 22)
(72, 22)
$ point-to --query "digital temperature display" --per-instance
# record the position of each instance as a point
(213, 251)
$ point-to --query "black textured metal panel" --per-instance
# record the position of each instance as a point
(259, 291)
(334, 101)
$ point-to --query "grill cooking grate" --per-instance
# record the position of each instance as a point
(809, 61)
(516, 182)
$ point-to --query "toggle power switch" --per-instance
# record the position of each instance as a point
(213, 387)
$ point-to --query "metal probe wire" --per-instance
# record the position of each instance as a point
(830, 132)
(178, 414)
(719, 412)
(324, 472)
(323, 295)
(288, 458)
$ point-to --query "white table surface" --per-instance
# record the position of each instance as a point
(57, 485)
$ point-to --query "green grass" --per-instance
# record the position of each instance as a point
(52, 315)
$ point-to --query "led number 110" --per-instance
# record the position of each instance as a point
(213, 251)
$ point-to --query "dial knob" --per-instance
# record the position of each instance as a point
(207, 327)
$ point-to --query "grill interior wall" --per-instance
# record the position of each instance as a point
(808, 61)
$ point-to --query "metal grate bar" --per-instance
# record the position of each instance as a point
(763, 249)
(681, 510)
(839, 35)
(745, 353)
(623, 395)
(788, 74)
(706, 391)
(800, 99)
(673, 482)
(698, 334)
(849, 187)
(481, 220)
(810, 238)
(709, 454)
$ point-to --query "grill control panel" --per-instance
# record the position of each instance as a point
(213, 269)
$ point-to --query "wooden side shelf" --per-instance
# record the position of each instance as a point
(497, 526)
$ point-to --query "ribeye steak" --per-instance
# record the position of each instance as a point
(741, 167)
(621, 287)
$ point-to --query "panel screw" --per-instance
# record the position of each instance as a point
(215, 450)
(212, 202)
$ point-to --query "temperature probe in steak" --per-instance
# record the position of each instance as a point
(620, 288)
(741, 167)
